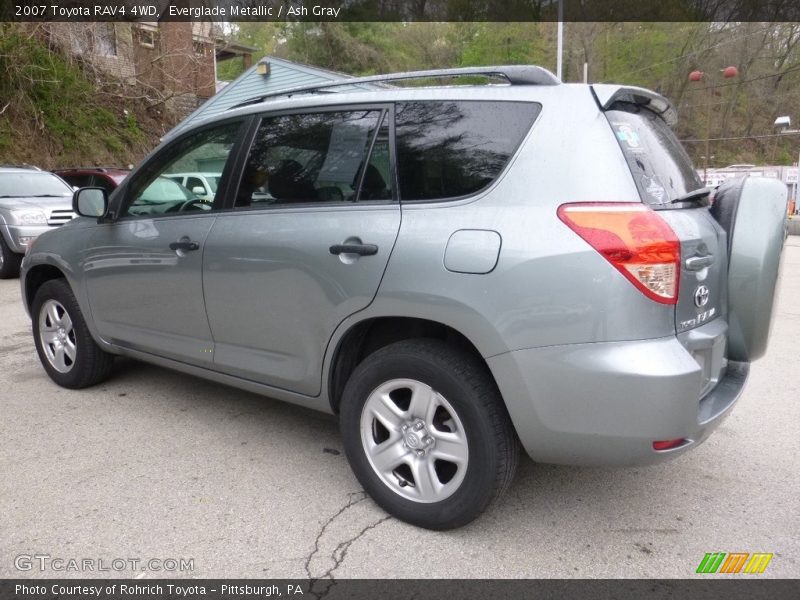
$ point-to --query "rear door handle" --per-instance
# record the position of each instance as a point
(696, 263)
(184, 245)
(360, 249)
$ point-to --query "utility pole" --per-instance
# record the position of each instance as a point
(560, 49)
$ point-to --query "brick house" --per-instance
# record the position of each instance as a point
(176, 61)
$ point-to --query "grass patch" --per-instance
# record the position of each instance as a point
(51, 96)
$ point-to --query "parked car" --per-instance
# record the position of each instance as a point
(202, 185)
(557, 279)
(32, 201)
(107, 178)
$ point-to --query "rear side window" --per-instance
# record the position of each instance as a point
(312, 158)
(452, 149)
(660, 166)
(77, 180)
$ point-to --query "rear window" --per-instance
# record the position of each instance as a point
(660, 166)
(452, 149)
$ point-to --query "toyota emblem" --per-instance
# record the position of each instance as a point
(701, 296)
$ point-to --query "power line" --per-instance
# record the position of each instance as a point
(721, 102)
(760, 77)
(742, 137)
(706, 49)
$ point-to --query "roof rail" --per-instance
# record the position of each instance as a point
(100, 169)
(22, 166)
(514, 74)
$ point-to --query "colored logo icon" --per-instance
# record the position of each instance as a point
(734, 562)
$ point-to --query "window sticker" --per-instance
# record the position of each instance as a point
(627, 134)
(654, 188)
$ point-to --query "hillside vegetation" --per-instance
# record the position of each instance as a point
(55, 115)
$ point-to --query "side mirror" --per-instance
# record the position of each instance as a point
(199, 190)
(90, 202)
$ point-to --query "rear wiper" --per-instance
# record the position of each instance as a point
(693, 196)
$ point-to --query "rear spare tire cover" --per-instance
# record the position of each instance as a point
(753, 212)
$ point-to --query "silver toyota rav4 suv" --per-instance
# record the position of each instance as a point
(455, 271)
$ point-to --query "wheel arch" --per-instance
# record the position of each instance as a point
(371, 334)
(36, 277)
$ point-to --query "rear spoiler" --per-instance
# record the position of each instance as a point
(607, 94)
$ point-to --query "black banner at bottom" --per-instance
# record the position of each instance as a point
(410, 589)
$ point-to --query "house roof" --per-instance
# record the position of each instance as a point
(232, 50)
(283, 74)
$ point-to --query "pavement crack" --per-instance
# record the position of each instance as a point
(351, 501)
(343, 547)
(339, 553)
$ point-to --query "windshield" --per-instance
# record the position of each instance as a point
(660, 166)
(25, 185)
(165, 190)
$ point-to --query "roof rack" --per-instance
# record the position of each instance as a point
(22, 166)
(514, 74)
(100, 169)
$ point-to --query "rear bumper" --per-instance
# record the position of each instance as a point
(606, 403)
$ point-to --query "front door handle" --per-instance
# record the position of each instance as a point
(184, 245)
(360, 249)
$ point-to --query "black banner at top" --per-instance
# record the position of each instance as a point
(399, 10)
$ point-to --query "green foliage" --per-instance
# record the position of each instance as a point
(502, 43)
(132, 127)
(51, 95)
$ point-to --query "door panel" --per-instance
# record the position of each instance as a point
(275, 292)
(144, 272)
(145, 295)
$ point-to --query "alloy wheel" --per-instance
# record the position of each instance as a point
(57, 336)
(414, 440)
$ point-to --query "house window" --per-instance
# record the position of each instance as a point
(105, 39)
(199, 48)
(147, 38)
(99, 39)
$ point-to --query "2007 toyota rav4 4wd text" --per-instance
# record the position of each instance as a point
(453, 270)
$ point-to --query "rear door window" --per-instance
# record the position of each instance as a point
(659, 164)
(448, 149)
(312, 158)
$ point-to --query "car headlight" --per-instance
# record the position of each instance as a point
(29, 217)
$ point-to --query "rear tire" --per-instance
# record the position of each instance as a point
(9, 261)
(68, 353)
(427, 434)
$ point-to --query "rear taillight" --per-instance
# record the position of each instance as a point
(634, 239)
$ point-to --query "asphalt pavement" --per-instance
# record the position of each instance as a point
(159, 465)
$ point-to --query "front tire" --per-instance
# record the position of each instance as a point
(9, 261)
(66, 349)
(427, 434)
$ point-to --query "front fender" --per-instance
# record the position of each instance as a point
(62, 249)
